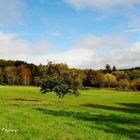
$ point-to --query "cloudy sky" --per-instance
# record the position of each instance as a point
(81, 33)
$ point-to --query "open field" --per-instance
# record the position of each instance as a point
(94, 115)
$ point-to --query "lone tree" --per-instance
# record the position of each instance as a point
(114, 68)
(62, 80)
(108, 68)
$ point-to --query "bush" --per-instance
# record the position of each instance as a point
(135, 85)
(123, 84)
(109, 80)
(1, 83)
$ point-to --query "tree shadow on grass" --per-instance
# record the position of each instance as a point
(22, 99)
(86, 88)
(133, 106)
(111, 122)
(126, 107)
(91, 88)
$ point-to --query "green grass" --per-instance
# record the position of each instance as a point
(94, 115)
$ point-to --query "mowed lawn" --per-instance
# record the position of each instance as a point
(97, 114)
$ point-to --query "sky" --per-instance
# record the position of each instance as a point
(81, 33)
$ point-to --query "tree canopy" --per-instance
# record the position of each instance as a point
(62, 80)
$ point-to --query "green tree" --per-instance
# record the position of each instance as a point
(1, 76)
(123, 84)
(120, 75)
(37, 81)
(108, 68)
(109, 80)
(24, 75)
(60, 79)
(134, 74)
(114, 68)
(42, 71)
(91, 78)
(10, 74)
(99, 79)
(94, 78)
(135, 85)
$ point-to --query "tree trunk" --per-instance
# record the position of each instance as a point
(60, 98)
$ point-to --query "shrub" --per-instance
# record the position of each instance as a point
(123, 84)
(135, 85)
(109, 80)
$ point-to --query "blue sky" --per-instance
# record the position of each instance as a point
(81, 33)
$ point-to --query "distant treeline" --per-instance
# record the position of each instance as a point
(22, 73)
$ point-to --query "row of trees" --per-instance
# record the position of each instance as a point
(22, 73)
(17, 73)
(111, 77)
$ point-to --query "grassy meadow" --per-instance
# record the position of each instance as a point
(97, 114)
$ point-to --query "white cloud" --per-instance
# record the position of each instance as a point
(72, 57)
(96, 52)
(11, 12)
(100, 42)
(15, 48)
(42, 47)
(101, 4)
(88, 52)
